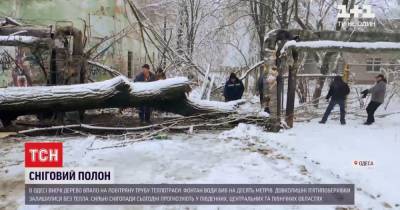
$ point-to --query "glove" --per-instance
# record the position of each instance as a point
(364, 95)
(364, 92)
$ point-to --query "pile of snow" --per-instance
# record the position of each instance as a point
(251, 106)
(230, 106)
(242, 131)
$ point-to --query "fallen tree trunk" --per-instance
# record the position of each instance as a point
(165, 95)
(41, 32)
(23, 41)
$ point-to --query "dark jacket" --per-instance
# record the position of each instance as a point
(262, 85)
(140, 77)
(233, 90)
(338, 90)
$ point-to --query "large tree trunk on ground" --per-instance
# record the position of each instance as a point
(165, 95)
(42, 32)
(24, 41)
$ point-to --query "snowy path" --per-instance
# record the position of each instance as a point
(309, 153)
(334, 148)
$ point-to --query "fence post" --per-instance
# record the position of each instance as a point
(345, 77)
(346, 73)
(130, 57)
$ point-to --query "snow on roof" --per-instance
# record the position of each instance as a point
(341, 44)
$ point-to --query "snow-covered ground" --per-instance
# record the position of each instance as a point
(308, 153)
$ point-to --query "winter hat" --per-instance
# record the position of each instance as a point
(146, 66)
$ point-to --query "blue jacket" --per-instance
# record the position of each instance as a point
(140, 77)
(338, 91)
(233, 91)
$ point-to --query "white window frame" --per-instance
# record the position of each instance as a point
(374, 64)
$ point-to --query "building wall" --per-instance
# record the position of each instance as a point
(358, 65)
(104, 17)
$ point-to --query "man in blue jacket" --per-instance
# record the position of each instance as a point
(145, 76)
(234, 88)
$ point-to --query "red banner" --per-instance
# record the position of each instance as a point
(43, 154)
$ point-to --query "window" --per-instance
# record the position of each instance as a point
(374, 64)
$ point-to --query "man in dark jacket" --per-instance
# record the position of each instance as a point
(233, 88)
(377, 97)
(262, 86)
(160, 74)
(338, 91)
(145, 76)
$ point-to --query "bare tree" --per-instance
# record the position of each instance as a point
(261, 12)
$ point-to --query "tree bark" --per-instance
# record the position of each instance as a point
(291, 92)
(26, 31)
(24, 41)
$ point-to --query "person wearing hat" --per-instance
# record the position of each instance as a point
(377, 92)
(234, 88)
(145, 76)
